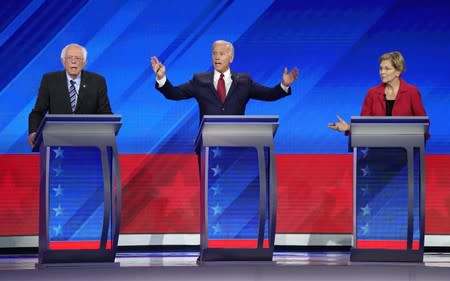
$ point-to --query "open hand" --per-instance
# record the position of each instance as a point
(341, 126)
(289, 77)
(158, 68)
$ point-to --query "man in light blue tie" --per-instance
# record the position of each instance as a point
(71, 91)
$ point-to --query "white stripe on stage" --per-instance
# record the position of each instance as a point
(194, 239)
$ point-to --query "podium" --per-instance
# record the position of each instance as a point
(80, 189)
(388, 188)
(238, 187)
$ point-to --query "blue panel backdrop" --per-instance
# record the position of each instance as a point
(335, 44)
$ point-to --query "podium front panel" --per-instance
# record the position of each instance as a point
(238, 187)
(234, 199)
(389, 188)
(382, 186)
(76, 203)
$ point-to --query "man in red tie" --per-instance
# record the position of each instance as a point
(222, 92)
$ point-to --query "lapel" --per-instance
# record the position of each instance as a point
(401, 92)
(213, 89)
(82, 91)
(62, 89)
(382, 99)
(211, 84)
(400, 95)
(234, 81)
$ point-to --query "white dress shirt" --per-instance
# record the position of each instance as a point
(226, 77)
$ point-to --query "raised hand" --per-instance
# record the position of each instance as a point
(289, 77)
(341, 126)
(158, 68)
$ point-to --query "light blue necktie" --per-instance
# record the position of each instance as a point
(73, 95)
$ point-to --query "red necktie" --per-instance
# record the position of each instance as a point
(221, 88)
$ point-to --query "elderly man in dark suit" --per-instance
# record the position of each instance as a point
(71, 91)
(222, 92)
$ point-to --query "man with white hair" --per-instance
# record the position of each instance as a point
(70, 91)
(222, 92)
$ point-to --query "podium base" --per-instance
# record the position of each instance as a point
(76, 256)
(384, 255)
(77, 265)
(215, 255)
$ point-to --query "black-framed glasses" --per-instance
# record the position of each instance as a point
(73, 58)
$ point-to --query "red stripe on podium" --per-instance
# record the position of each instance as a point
(78, 245)
(237, 244)
(385, 244)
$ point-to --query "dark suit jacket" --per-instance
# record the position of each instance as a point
(242, 89)
(54, 97)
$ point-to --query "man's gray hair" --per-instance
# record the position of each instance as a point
(63, 52)
(229, 44)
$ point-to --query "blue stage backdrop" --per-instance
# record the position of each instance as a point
(336, 45)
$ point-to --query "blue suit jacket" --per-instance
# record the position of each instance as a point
(201, 87)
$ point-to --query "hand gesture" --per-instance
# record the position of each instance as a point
(158, 68)
(289, 77)
(341, 126)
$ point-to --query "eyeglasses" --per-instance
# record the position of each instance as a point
(72, 58)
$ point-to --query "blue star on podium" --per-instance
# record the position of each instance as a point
(365, 171)
(365, 190)
(365, 228)
(216, 190)
(59, 152)
(366, 210)
(58, 171)
(216, 228)
(58, 190)
(57, 230)
(365, 152)
(216, 152)
(217, 210)
(58, 210)
(216, 170)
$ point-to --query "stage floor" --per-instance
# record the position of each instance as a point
(182, 266)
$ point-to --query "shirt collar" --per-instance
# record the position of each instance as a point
(226, 74)
(77, 80)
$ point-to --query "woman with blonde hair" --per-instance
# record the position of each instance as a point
(392, 97)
